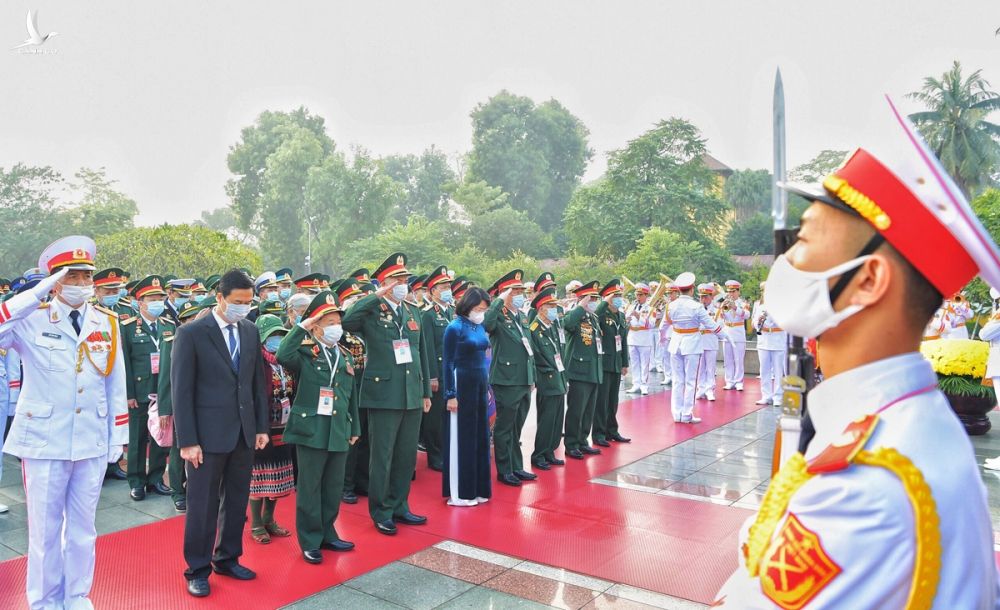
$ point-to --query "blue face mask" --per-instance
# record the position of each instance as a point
(272, 297)
(517, 301)
(284, 293)
(298, 318)
(446, 296)
(198, 298)
(109, 301)
(135, 305)
(155, 308)
(399, 291)
(592, 306)
(552, 313)
(122, 293)
(618, 302)
(179, 302)
(272, 343)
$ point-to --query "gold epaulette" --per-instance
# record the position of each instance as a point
(44, 305)
(308, 341)
(168, 338)
(129, 321)
(110, 312)
(534, 326)
(166, 320)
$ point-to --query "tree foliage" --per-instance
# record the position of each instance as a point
(424, 180)
(501, 232)
(748, 192)
(184, 250)
(478, 197)
(754, 235)
(819, 167)
(664, 251)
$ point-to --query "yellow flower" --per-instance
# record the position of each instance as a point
(964, 357)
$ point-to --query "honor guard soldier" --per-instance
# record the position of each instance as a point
(614, 336)
(709, 344)
(550, 378)
(395, 389)
(348, 292)
(772, 349)
(584, 369)
(735, 313)
(141, 339)
(512, 375)
(687, 318)
(435, 319)
(70, 419)
(886, 508)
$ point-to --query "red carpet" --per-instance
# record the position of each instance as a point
(669, 545)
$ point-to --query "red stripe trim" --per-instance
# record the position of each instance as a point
(15, 384)
(390, 271)
(4, 312)
(66, 258)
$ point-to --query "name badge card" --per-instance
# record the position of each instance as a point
(325, 404)
(562, 337)
(618, 343)
(286, 409)
(154, 363)
(559, 364)
(600, 345)
(527, 346)
(401, 347)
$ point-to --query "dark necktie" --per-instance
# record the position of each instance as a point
(74, 316)
(234, 351)
(152, 329)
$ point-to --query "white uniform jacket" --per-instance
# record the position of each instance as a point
(687, 318)
(710, 338)
(771, 336)
(72, 404)
(641, 325)
(734, 321)
(991, 332)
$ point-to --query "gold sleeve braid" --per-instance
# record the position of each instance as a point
(927, 555)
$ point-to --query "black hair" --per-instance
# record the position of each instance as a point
(922, 298)
(234, 279)
(472, 298)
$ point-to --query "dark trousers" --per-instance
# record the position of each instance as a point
(513, 402)
(393, 434)
(430, 429)
(217, 494)
(317, 495)
(175, 471)
(358, 457)
(606, 412)
(467, 438)
(138, 443)
(580, 403)
(551, 411)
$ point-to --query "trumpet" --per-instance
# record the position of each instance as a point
(958, 298)
(628, 284)
(661, 290)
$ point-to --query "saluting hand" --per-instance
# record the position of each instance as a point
(387, 287)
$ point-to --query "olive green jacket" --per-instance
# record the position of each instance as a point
(164, 400)
(583, 333)
(307, 360)
(549, 380)
(137, 344)
(510, 363)
(613, 324)
(387, 385)
(436, 319)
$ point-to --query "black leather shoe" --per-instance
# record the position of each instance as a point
(509, 479)
(602, 443)
(590, 451)
(576, 454)
(620, 439)
(181, 505)
(435, 466)
(556, 462)
(386, 527)
(421, 448)
(337, 545)
(160, 489)
(349, 497)
(525, 476)
(541, 465)
(137, 493)
(115, 472)
(361, 492)
(312, 556)
(235, 571)
(410, 519)
(198, 587)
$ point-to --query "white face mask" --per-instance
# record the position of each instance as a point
(76, 295)
(399, 291)
(477, 317)
(234, 313)
(332, 334)
(799, 301)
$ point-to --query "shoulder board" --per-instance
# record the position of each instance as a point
(841, 453)
(166, 320)
(427, 308)
(129, 321)
(45, 305)
(308, 341)
(168, 338)
(534, 326)
(110, 312)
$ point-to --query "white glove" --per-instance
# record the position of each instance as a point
(46, 285)
(505, 294)
(115, 453)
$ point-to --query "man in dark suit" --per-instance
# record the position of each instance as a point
(220, 412)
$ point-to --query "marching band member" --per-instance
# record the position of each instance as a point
(959, 313)
(642, 324)
(709, 345)
(687, 318)
(661, 355)
(735, 312)
(772, 346)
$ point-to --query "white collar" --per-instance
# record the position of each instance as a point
(147, 320)
(852, 394)
(64, 309)
(222, 322)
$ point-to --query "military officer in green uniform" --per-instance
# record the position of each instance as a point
(512, 375)
(614, 333)
(165, 409)
(141, 339)
(323, 423)
(395, 390)
(550, 379)
(310, 284)
(436, 318)
(107, 292)
(356, 471)
(584, 370)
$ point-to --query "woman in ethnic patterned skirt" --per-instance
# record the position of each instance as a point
(273, 476)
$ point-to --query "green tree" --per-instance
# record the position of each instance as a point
(423, 241)
(987, 208)
(956, 128)
(497, 268)
(754, 235)
(584, 268)
(748, 192)
(664, 251)
(499, 233)
(536, 154)
(598, 223)
(184, 250)
(819, 167)
(219, 219)
(424, 180)
(101, 209)
(478, 197)
(29, 217)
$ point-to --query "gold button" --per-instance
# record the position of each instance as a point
(79, 390)
(28, 413)
(376, 380)
(138, 378)
(336, 384)
(334, 412)
(78, 410)
(335, 398)
(407, 372)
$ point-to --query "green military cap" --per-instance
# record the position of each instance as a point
(323, 303)
(438, 276)
(362, 275)
(612, 287)
(416, 282)
(367, 287)
(284, 274)
(212, 281)
(198, 285)
(267, 325)
(4, 283)
(458, 287)
(147, 286)
(513, 279)
(188, 310)
(168, 278)
(346, 288)
(208, 302)
(393, 266)
(587, 289)
(112, 277)
(545, 280)
(544, 297)
(325, 281)
(313, 281)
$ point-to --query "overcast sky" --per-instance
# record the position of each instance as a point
(157, 92)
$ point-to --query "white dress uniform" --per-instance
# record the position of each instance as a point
(772, 349)
(958, 314)
(660, 352)
(687, 318)
(641, 335)
(939, 325)
(735, 347)
(848, 538)
(709, 357)
(70, 421)
(991, 332)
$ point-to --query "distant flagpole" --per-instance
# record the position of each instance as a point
(779, 198)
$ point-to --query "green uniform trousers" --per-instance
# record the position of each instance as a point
(175, 472)
(317, 495)
(551, 411)
(393, 436)
(606, 413)
(580, 403)
(513, 402)
(138, 442)
(430, 429)
(358, 456)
